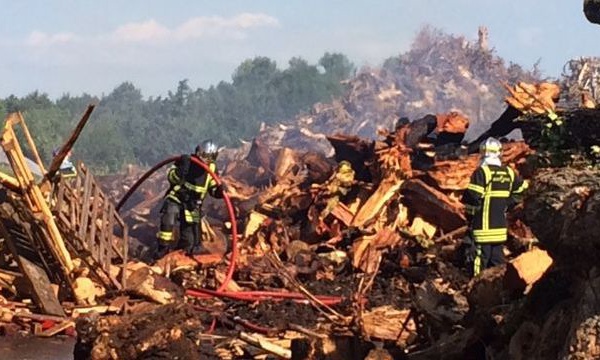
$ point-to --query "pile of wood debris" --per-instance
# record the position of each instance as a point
(440, 73)
(350, 246)
(363, 261)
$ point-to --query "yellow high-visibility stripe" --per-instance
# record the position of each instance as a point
(522, 188)
(490, 241)
(213, 167)
(196, 188)
(499, 193)
(476, 188)
(201, 189)
(490, 235)
(173, 196)
(191, 216)
(490, 231)
(165, 235)
(477, 262)
(172, 175)
(511, 173)
(487, 177)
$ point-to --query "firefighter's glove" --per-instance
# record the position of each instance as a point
(219, 190)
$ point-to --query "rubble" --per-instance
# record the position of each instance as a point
(337, 260)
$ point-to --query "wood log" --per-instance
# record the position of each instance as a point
(521, 341)
(356, 150)
(318, 167)
(85, 290)
(583, 337)
(373, 206)
(456, 174)
(260, 155)
(422, 228)
(151, 286)
(66, 147)
(499, 128)
(434, 206)
(367, 249)
(389, 323)
(487, 289)
(343, 214)
(562, 208)
(286, 160)
(266, 345)
(453, 174)
(251, 175)
(527, 268)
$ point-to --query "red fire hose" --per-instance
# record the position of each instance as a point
(226, 199)
(204, 293)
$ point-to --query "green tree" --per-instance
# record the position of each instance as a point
(337, 66)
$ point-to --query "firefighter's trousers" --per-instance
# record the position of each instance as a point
(189, 220)
(487, 256)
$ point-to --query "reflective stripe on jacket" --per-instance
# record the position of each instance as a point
(196, 183)
(486, 200)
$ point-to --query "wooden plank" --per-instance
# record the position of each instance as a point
(376, 202)
(73, 201)
(57, 328)
(91, 238)
(107, 246)
(60, 198)
(125, 254)
(31, 144)
(64, 150)
(40, 284)
(110, 210)
(77, 199)
(37, 317)
(121, 253)
(85, 208)
(104, 237)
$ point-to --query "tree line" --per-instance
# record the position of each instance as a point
(127, 128)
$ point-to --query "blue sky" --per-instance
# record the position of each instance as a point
(68, 46)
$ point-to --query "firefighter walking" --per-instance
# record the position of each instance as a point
(189, 184)
(493, 189)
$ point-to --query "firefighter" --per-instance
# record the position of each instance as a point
(189, 184)
(493, 189)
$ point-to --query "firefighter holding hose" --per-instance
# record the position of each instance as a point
(189, 184)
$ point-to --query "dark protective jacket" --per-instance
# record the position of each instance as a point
(190, 183)
(491, 191)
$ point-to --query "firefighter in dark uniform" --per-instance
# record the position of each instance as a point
(189, 184)
(493, 189)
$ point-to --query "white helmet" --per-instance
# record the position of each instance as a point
(491, 147)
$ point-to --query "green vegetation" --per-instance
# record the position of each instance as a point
(126, 128)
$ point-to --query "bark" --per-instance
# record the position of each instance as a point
(562, 210)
